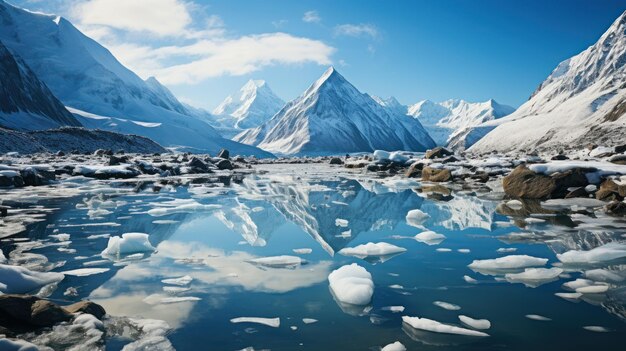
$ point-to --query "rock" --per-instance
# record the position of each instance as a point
(482, 177)
(30, 312)
(36, 176)
(524, 183)
(87, 307)
(198, 166)
(620, 149)
(9, 179)
(60, 153)
(618, 159)
(569, 179)
(115, 160)
(440, 189)
(611, 191)
(102, 152)
(616, 208)
(225, 154)
(559, 158)
(224, 164)
(578, 192)
(415, 170)
(4, 211)
(336, 161)
(436, 175)
(438, 152)
(450, 159)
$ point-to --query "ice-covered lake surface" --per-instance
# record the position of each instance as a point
(246, 264)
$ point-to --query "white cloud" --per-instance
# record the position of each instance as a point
(311, 17)
(357, 30)
(158, 17)
(217, 57)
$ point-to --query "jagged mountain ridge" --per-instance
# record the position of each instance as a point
(254, 104)
(582, 101)
(332, 116)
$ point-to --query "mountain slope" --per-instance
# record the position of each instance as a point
(25, 102)
(332, 116)
(254, 104)
(446, 119)
(85, 76)
(582, 101)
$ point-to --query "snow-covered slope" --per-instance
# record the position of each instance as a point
(25, 102)
(86, 76)
(446, 119)
(332, 116)
(254, 104)
(582, 101)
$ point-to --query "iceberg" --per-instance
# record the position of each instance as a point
(352, 284)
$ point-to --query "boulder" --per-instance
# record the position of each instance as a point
(30, 312)
(37, 176)
(436, 175)
(616, 208)
(198, 166)
(618, 159)
(578, 192)
(116, 160)
(438, 152)
(524, 183)
(573, 178)
(336, 161)
(11, 178)
(225, 154)
(559, 157)
(415, 170)
(87, 307)
(224, 164)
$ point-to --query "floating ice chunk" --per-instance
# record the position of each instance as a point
(309, 320)
(593, 289)
(175, 289)
(506, 249)
(508, 262)
(127, 244)
(60, 237)
(515, 204)
(447, 306)
(99, 236)
(83, 272)
(537, 317)
(152, 336)
(17, 345)
(469, 279)
(569, 296)
(293, 327)
(283, 261)
(181, 281)
(481, 324)
(270, 322)
(394, 309)
(396, 346)
(596, 328)
(430, 238)
(464, 250)
(304, 251)
(372, 249)
(607, 252)
(578, 283)
(21, 280)
(534, 276)
(352, 284)
(181, 206)
(396, 286)
(603, 275)
(438, 327)
(443, 249)
(341, 222)
(416, 218)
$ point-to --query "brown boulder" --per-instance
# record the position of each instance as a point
(29, 312)
(438, 152)
(87, 307)
(436, 175)
(616, 208)
(415, 170)
(524, 183)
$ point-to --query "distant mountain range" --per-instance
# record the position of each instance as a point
(582, 101)
(331, 117)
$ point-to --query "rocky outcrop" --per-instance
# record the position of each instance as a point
(438, 152)
(430, 174)
(525, 183)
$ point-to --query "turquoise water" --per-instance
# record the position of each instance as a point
(273, 215)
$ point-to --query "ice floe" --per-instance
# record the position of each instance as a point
(438, 327)
(83, 272)
(270, 322)
(534, 277)
(303, 251)
(537, 317)
(394, 309)
(283, 261)
(372, 249)
(430, 238)
(128, 243)
(352, 284)
(447, 306)
(309, 320)
(396, 346)
(596, 328)
(511, 262)
(180, 281)
(604, 253)
(481, 324)
(21, 280)
(416, 218)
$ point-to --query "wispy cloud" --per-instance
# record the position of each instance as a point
(183, 48)
(357, 30)
(311, 17)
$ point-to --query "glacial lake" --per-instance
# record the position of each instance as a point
(325, 209)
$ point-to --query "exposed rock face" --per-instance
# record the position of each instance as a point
(438, 152)
(224, 154)
(436, 175)
(524, 183)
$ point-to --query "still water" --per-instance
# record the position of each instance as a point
(288, 209)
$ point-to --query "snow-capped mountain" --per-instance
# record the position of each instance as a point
(25, 102)
(254, 104)
(98, 89)
(445, 119)
(332, 116)
(582, 101)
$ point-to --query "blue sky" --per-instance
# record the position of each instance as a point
(475, 50)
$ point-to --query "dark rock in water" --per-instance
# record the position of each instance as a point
(578, 192)
(11, 179)
(30, 312)
(616, 208)
(336, 161)
(569, 179)
(524, 183)
(224, 164)
(115, 160)
(36, 176)
(415, 170)
(60, 153)
(225, 154)
(482, 177)
(4, 211)
(618, 159)
(620, 149)
(450, 159)
(103, 152)
(611, 191)
(198, 166)
(438, 152)
(559, 158)
(436, 175)
(87, 307)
